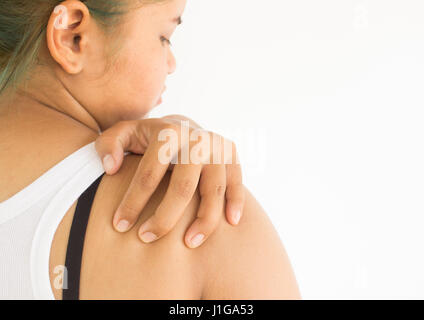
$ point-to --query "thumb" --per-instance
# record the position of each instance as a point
(121, 137)
(112, 159)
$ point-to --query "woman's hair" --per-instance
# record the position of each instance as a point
(23, 25)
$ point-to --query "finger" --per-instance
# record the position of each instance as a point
(113, 142)
(235, 194)
(183, 184)
(146, 179)
(212, 192)
(179, 117)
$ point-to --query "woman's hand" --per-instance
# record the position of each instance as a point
(166, 145)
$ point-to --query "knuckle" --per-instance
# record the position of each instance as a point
(127, 211)
(147, 179)
(171, 126)
(220, 190)
(167, 128)
(162, 225)
(184, 189)
(217, 190)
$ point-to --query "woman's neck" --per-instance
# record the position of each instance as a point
(46, 90)
(33, 139)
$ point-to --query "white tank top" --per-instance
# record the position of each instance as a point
(29, 219)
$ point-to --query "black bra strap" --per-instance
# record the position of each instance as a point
(76, 241)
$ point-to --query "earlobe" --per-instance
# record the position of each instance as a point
(66, 32)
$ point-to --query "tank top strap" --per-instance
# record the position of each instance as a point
(75, 246)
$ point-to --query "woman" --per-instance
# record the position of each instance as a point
(51, 122)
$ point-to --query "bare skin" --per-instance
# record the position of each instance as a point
(63, 110)
(244, 262)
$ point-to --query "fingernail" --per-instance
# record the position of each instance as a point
(148, 237)
(197, 240)
(236, 216)
(108, 163)
(122, 225)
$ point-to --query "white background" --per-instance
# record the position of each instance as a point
(324, 99)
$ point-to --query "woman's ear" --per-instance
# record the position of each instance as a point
(68, 34)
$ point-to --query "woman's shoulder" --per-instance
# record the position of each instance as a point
(119, 265)
(246, 261)
(249, 261)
